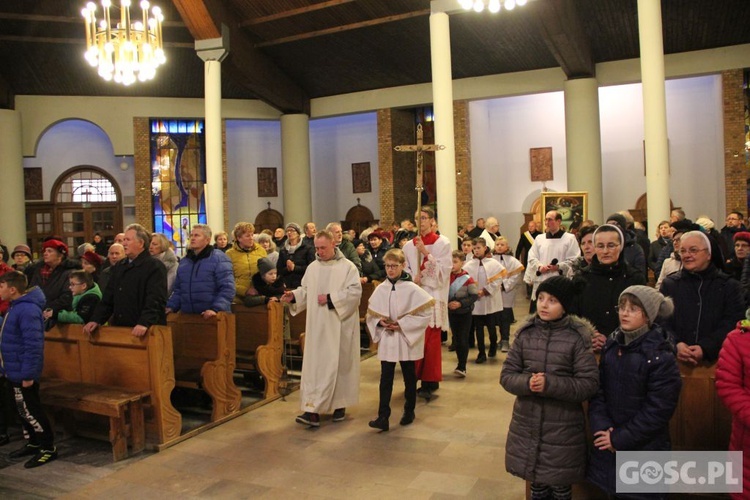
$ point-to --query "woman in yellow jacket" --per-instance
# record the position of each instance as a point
(244, 254)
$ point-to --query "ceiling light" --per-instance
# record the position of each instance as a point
(493, 6)
(126, 51)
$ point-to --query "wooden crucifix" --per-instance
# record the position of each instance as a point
(419, 148)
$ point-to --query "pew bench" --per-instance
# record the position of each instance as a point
(113, 358)
(204, 358)
(260, 341)
(123, 407)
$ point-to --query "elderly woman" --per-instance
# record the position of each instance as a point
(294, 257)
(586, 241)
(737, 262)
(244, 254)
(606, 278)
(266, 241)
(162, 250)
(51, 275)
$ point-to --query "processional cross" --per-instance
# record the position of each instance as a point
(419, 148)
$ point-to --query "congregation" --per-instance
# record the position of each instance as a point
(613, 317)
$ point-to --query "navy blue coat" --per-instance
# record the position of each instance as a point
(707, 306)
(639, 385)
(22, 338)
(204, 281)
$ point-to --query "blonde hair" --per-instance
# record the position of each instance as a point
(163, 241)
(395, 254)
(241, 228)
(265, 237)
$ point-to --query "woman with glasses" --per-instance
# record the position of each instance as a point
(606, 277)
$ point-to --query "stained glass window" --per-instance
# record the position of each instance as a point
(178, 177)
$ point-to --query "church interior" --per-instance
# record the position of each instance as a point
(311, 98)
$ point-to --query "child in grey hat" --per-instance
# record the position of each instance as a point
(639, 385)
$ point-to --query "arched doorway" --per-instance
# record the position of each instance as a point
(84, 200)
(268, 219)
(358, 217)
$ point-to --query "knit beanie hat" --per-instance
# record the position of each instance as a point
(618, 219)
(685, 225)
(741, 235)
(294, 226)
(93, 258)
(562, 288)
(265, 265)
(705, 223)
(654, 303)
(21, 249)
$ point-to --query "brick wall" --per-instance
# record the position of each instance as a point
(397, 171)
(735, 171)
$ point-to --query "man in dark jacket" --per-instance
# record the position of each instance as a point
(733, 225)
(205, 278)
(137, 292)
(707, 303)
(343, 244)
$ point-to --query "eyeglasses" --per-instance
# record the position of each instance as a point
(629, 310)
(392, 266)
(71, 285)
(733, 218)
(692, 251)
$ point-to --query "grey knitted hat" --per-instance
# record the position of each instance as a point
(265, 265)
(655, 304)
(295, 226)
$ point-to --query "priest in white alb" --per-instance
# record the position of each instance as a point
(428, 261)
(330, 293)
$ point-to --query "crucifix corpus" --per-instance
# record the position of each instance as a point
(419, 148)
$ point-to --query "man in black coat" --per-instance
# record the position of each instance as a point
(734, 224)
(707, 303)
(137, 291)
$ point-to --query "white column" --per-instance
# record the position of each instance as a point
(654, 111)
(212, 52)
(295, 168)
(442, 98)
(13, 220)
(583, 142)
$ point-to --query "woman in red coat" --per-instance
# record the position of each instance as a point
(733, 387)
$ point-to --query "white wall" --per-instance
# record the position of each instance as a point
(72, 143)
(336, 143)
(503, 130)
(251, 144)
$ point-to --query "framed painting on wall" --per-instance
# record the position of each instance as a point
(540, 164)
(32, 183)
(267, 183)
(573, 207)
(361, 177)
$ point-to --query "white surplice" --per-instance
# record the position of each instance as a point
(544, 250)
(488, 273)
(514, 274)
(330, 366)
(411, 307)
(435, 278)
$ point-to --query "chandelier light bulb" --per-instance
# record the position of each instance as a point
(510, 4)
(478, 5)
(494, 6)
(466, 4)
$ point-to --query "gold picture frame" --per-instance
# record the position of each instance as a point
(573, 206)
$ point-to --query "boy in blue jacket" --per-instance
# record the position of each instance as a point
(21, 361)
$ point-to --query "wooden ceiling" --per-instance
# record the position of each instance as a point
(286, 52)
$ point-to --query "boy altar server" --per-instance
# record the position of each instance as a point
(397, 315)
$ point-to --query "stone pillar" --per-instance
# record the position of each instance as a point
(295, 168)
(442, 97)
(583, 142)
(212, 52)
(654, 111)
(13, 226)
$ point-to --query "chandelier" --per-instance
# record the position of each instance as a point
(127, 50)
(493, 6)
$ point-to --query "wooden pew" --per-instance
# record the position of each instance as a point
(260, 341)
(701, 421)
(367, 291)
(204, 358)
(116, 359)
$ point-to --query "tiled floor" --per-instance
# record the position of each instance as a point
(455, 448)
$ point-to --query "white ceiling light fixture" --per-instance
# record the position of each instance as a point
(126, 51)
(493, 6)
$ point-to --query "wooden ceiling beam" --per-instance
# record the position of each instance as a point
(345, 27)
(562, 31)
(292, 12)
(245, 65)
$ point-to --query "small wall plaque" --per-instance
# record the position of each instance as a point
(267, 184)
(361, 177)
(541, 164)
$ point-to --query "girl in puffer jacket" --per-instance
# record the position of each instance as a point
(639, 386)
(552, 371)
(733, 387)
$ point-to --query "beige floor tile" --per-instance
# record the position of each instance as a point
(452, 484)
